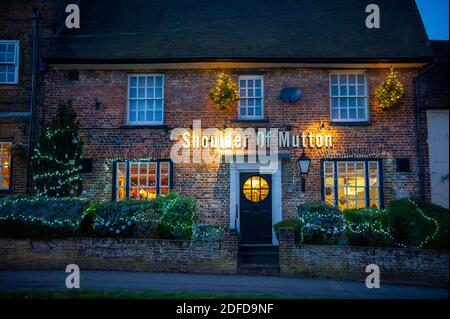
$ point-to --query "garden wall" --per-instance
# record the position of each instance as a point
(415, 266)
(122, 254)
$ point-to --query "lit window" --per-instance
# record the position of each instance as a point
(146, 99)
(255, 188)
(352, 184)
(251, 97)
(9, 62)
(348, 97)
(5, 165)
(142, 180)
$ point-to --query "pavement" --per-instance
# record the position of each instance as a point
(205, 283)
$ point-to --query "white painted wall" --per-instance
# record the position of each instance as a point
(438, 152)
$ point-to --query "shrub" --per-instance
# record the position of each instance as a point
(115, 219)
(41, 217)
(366, 227)
(147, 221)
(208, 232)
(289, 223)
(440, 214)
(410, 227)
(177, 214)
(320, 223)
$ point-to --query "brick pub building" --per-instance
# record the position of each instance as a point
(136, 70)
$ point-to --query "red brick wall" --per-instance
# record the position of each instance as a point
(16, 24)
(186, 98)
(122, 254)
(420, 266)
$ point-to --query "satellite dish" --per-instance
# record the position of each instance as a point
(290, 95)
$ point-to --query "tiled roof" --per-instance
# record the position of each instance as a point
(245, 30)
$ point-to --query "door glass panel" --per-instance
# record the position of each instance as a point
(255, 188)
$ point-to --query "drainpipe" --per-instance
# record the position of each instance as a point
(35, 17)
(418, 128)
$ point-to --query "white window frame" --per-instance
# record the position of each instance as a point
(127, 187)
(366, 96)
(246, 78)
(138, 175)
(1, 167)
(367, 177)
(16, 61)
(137, 122)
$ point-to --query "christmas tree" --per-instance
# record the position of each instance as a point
(57, 157)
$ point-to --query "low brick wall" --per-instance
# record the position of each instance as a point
(416, 266)
(122, 254)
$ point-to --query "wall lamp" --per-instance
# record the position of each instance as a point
(303, 165)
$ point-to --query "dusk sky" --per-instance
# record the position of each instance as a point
(435, 17)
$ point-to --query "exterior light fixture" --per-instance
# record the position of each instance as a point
(303, 165)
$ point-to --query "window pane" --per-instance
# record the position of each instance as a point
(158, 81)
(133, 81)
(361, 90)
(351, 79)
(334, 91)
(158, 92)
(150, 81)
(334, 79)
(134, 168)
(343, 102)
(352, 90)
(352, 113)
(361, 79)
(361, 113)
(158, 116)
(242, 83)
(375, 203)
(335, 114)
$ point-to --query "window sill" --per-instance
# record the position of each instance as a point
(145, 126)
(263, 120)
(364, 123)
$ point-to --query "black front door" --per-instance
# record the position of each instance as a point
(255, 208)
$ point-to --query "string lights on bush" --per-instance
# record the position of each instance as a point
(57, 157)
(225, 92)
(389, 93)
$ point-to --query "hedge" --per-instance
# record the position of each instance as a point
(41, 217)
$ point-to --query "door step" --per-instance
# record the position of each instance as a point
(258, 260)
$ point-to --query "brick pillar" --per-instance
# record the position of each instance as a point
(231, 246)
(287, 244)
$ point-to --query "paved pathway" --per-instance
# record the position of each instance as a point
(175, 282)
